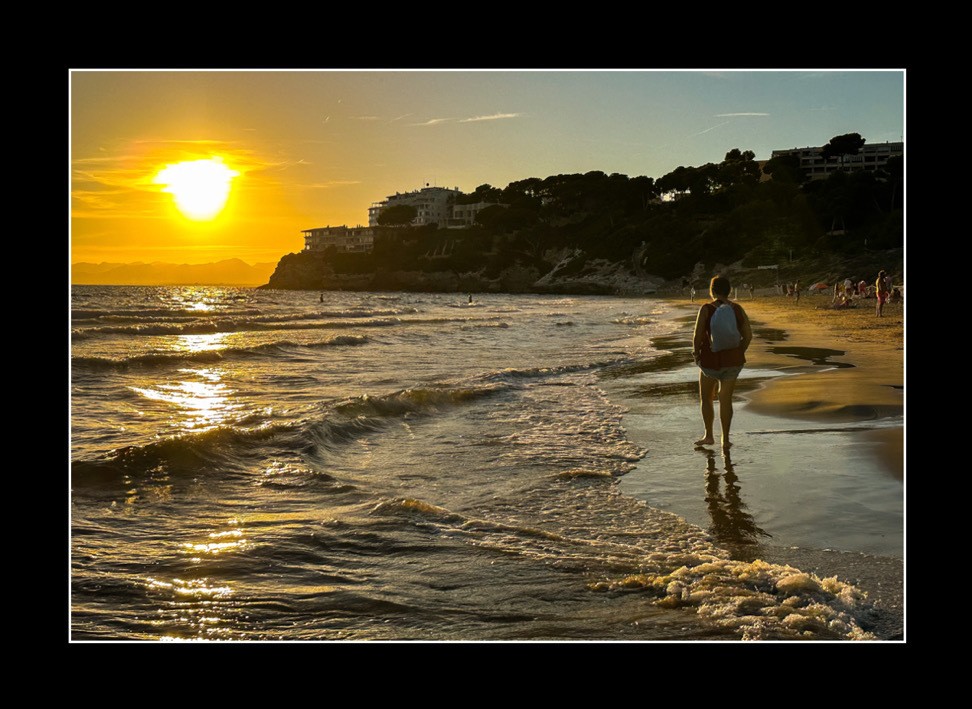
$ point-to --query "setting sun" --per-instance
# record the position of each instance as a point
(200, 187)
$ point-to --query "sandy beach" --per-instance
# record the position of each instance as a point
(872, 388)
(815, 478)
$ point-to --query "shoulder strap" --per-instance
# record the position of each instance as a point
(737, 309)
(710, 309)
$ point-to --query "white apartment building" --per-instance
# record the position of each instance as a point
(345, 239)
(433, 204)
(871, 157)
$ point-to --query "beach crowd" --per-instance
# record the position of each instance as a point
(845, 293)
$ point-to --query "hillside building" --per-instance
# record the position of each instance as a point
(871, 157)
(464, 215)
(344, 239)
(432, 204)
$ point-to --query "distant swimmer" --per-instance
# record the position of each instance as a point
(322, 297)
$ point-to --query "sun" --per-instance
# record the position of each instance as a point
(200, 187)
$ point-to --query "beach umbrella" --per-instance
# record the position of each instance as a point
(819, 286)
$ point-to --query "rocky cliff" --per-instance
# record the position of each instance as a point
(571, 274)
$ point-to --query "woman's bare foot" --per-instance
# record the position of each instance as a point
(726, 445)
(706, 441)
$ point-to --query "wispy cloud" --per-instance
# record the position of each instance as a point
(470, 119)
(492, 117)
(404, 115)
(734, 115)
(435, 121)
(724, 123)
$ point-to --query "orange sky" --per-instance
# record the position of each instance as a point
(313, 148)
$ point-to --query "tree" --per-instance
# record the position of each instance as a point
(397, 215)
(842, 145)
(487, 193)
(738, 168)
(491, 217)
(643, 189)
(678, 180)
(785, 168)
(894, 169)
(530, 187)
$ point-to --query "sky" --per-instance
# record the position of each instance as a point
(300, 149)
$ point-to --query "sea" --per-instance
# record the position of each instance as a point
(252, 465)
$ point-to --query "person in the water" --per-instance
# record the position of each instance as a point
(718, 370)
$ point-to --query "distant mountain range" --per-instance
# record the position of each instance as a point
(225, 273)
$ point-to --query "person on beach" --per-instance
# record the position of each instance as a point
(882, 289)
(718, 370)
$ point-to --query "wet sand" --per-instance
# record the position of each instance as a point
(872, 388)
(815, 477)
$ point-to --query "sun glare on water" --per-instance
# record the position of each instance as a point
(200, 187)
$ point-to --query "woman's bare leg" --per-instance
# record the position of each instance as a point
(707, 387)
(725, 409)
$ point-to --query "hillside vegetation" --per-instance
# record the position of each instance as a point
(558, 233)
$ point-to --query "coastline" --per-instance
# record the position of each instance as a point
(869, 385)
(815, 479)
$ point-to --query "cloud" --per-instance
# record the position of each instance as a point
(434, 121)
(724, 123)
(733, 115)
(493, 117)
(470, 119)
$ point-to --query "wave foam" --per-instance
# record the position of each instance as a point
(761, 601)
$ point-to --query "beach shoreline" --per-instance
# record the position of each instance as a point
(815, 479)
(869, 385)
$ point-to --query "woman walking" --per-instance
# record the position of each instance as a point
(719, 347)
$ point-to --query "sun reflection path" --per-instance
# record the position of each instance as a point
(201, 343)
(194, 609)
(200, 405)
(203, 606)
(217, 543)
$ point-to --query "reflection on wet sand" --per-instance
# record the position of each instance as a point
(731, 523)
(818, 355)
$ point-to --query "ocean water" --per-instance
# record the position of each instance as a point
(255, 465)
